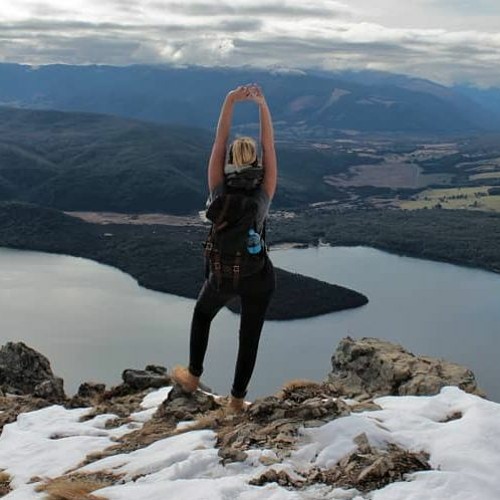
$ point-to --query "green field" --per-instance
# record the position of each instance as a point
(485, 175)
(469, 198)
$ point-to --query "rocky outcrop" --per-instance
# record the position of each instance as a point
(24, 371)
(273, 422)
(362, 370)
(91, 390)
(152, 376)
(370, 367)
(123, 398)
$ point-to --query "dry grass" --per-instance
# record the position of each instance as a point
(152, 431)
(491, 203)
(211, 420)
(5, 480)
(296, 384)
(77, 486)
(299, 383)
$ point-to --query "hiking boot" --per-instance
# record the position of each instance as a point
(183, 377)
(236, 405)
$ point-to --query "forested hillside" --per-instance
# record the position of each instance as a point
(83, 161)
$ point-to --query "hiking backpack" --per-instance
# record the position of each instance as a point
(233, 214)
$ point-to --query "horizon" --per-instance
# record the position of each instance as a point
(270, 69)
(445, 41)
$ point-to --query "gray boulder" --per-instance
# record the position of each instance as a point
(153, 376)
(371, 367)
(25, 371)
(91, 389)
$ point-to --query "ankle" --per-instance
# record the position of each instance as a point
(236, 404)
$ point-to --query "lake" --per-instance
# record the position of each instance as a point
(92, 321)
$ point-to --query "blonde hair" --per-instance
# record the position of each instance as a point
(243, 151)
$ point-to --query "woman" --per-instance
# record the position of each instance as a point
(255, 291)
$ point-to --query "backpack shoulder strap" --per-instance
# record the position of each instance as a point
(263, 235)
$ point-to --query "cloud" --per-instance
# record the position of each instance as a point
(39, 9)
(469, 7)
(237, 25)
(268, 9)
(325, 35)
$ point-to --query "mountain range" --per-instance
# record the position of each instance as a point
(365, 101)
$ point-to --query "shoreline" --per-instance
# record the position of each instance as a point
(198, 221)
(163, 258)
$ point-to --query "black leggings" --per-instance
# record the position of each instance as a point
(255, 293)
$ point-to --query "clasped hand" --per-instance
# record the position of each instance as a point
(250, 92)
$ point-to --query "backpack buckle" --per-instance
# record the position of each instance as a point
(217, 266)
(236, 275)
(209, 246)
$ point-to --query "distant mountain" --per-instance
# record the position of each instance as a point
(84, 161)
(363, 101)
(488, 98)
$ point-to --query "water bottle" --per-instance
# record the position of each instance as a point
(254, 245)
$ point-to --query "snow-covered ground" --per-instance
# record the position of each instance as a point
(464, 453)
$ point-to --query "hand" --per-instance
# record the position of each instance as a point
(256, 94)
(241, 93)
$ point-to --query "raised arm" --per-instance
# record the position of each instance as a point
(269, 161)
(218, 155)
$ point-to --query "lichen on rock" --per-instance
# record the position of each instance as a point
(370, 367)
(24, 371)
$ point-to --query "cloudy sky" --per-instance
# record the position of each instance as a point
(445, 40)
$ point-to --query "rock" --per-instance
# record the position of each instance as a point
(152, 376)
(363, 444)
(181, 406)
(273, 408)
(24, 371)
(370, 367)
(273, 422)
(158, 369)
(91, 389)
(283, 478)
(231, 455)
(88, 394)
(367, 468)
(51, 390)
(269, 459)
